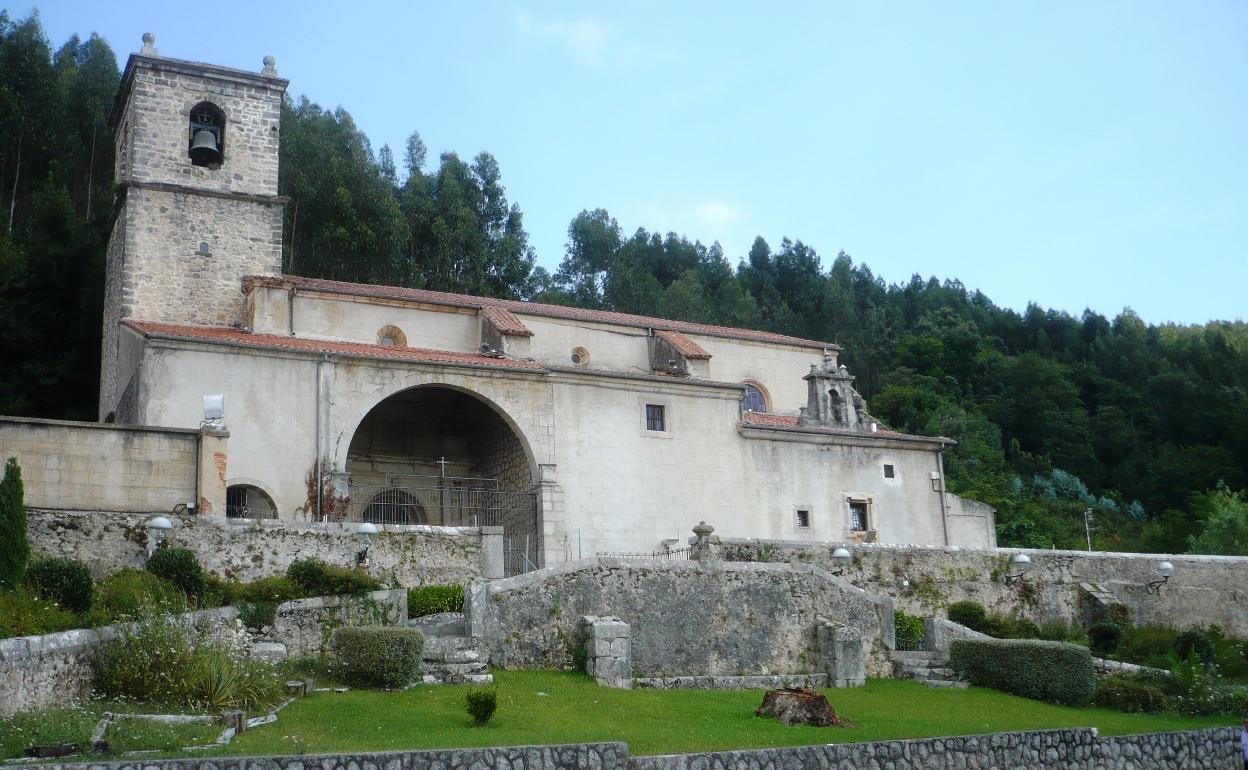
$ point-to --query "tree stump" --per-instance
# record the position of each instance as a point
(798, 706)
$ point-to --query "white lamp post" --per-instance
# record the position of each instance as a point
(1022, 565)
(842, 558)
(156, 530)
(365, 532)
(1165, 569)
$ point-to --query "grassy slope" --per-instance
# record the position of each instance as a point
(574, 709)
(77, 724)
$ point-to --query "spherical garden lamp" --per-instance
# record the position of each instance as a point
(365, 532)
(1021, 564)
(157, 528)
(842, 558)
(1165, 569)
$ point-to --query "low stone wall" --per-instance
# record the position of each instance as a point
(575, 756)
(55, 669)
(1062, 585)
(687, 619)
(1077, 749)
(85, 465)
(407, 555)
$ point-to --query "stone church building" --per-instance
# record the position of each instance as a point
(578, 431)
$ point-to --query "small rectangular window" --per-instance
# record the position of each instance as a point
(803, 518)
(888, 472)
(858, 515)
(656, 419)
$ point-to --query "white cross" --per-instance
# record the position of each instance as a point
(443, 462)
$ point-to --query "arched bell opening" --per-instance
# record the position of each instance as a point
(444, 456)
(206, 136)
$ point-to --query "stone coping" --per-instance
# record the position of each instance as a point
(340, 527)
(953, 549)
(43, 422)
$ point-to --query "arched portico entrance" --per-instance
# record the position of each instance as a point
(440, 455)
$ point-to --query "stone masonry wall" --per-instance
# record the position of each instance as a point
(106, 467)
(1076, 749)
(54, 670)
(407, 555)
(923, 580)
(686, 618)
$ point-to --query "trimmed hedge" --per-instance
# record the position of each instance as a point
(970, 614)
(181, 567)
(65, 581)
(378, 656)
(1128, 695)
(1056, 672)
(316, 578)
(432, 599)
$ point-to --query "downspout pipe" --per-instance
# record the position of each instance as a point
(317, 468)
(944, 508)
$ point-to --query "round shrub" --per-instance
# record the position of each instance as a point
(1104, 636)
(65, 581)
(1122, 694)
(378, 656)
(969, 614)
(316, 578)
(1194, 640)
(132, 593)
(180, 567)
(432, 599)
(481, 702)
(1050, 671)
(257, 615)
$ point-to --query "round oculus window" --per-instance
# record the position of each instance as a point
(580, 356)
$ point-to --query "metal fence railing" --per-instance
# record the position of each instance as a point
(674, 554)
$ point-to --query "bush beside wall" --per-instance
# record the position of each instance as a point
(1056, 672)
(378, 656)
(432, 599)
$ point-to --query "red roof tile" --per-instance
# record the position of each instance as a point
(228, 336)
(505, 321)
(528, 308)
(682, 344)
(790, 421)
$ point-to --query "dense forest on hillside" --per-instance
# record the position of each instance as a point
(1142, 428)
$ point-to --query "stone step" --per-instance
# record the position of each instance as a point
(440, 624)
(916, 655)
(954, 683)
(455, 649)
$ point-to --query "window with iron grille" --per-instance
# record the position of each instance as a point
(803, 517)
(889, 472)
(858, 515)
(656, 418)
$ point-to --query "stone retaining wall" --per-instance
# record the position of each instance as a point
(1077, 749)
(1062, 585)
(407, 555)
(687, 619)
(84, 465)
(55, 669)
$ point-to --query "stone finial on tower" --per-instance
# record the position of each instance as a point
(149, 45)
(270, 67)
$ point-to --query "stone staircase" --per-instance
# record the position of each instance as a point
(930, 668)
(451, 657)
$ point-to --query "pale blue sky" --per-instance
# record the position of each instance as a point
(1076, 154)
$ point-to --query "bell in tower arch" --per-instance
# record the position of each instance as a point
(207, 135)
(204, 149)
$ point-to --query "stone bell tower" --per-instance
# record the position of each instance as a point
(831, 401)
(197, 210)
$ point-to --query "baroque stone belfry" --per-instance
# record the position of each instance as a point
(197, 209)
(831, 400)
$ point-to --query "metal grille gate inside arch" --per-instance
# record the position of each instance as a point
(407, 499)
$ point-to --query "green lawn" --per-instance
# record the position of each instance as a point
(76, 725)
(573, 709)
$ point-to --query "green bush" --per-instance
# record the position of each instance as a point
(432, 599)
(1050, 671)
(14, 548)
(1012, 627)
(1123, 694)
(65, 581)
(151, 662)
(1147, 645)
(275, 588)
(316, 578)
(1194, 640)
(377, 656)
(909, 629)
(257, 615)
(131, 593)
(1061, 631)
(180, 567)
(482, 703)
(1104, 636)
(220, 679)
(25, 613)
(969, 614)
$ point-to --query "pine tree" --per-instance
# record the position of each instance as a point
(14, 550)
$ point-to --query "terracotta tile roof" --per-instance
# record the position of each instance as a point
(213, 334)
(505, 321)
(528, 308)
(790, 421)
(682, 344)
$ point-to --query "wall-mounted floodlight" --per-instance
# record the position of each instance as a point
(1022, 565)
(214, 407)
(1165, 569)
(842, 558)
(157, 528)
(365, 532)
